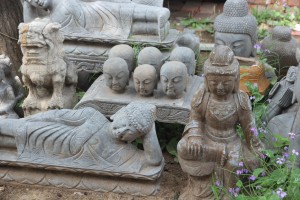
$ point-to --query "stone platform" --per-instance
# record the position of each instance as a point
(100, 97)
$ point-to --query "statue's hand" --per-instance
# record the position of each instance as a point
(195, 146)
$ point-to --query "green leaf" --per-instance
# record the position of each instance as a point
(172, 146)
(258, 171)
(239, 184)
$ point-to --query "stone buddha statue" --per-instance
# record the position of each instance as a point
(281, 47)
(236, 28)
(116, 74)
(186, 56)
(123, 51)
(151, 56)
(174, 79)
(210, 144)
(145, 79)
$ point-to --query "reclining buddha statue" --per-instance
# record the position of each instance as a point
(114, 19)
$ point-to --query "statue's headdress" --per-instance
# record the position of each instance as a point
(221, 61)
(236, 19)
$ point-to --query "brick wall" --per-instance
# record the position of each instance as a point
(266, 3)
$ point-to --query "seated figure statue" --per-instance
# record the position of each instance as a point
(289, 122)
(236, 28)
(281, 95)
(7, 99)
(210, 144)
(86, 139)
(101, 19)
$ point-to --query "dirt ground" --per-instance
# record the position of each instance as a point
(172, 183)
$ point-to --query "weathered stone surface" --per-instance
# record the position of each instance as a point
(83, 149)
(210, 145)
(186, 56)
(145, 79)
(45, 70)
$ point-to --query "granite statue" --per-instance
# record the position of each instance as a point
(288, 124)
(190, 40)
(174, 79)
(116, 74)
(10, 78)
(44, 68)
(281, 48)
(87, 141)
(7, 99)
(236, 28)
(186, 56)
(151, 56)
(126, 52)
(281, 95)
(145, 80)
(210, 145)
(117, 20)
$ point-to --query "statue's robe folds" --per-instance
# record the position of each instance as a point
(77, 139)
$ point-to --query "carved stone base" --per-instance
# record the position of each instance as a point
(103, 99)
(79, 181)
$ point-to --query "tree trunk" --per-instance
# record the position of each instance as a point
(11, 15)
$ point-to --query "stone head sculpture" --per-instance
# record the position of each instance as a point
(174, 79)
(137, 118)
(116, 74)
(123, 51)
(236, 28)
(186, 56)
(145, 79)
(190, 40)
(151, 56)
(281, 47)
(41, 39)
(5, 65)
(221, 72)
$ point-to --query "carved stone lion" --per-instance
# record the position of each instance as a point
(44, 70)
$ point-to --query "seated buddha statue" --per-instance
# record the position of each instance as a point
(210, 144)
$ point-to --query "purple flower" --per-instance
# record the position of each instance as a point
(263, 174)
(218, 183)
(280, 161)
(239, 171)
(263, 156)
(281, 194)
(252, 178)
(294, 152)
(286, 155)
(252, 97)
(234, 191)
(254, 131)
(286, 148)
(257, 46)
(245, 171)
(241, 164)
(292, 136)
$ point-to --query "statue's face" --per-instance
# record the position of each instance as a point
(220, 85)
(116, 78)
(173, 82)
(39, 3)
(123, 130)
(34, 48)
(240, 44)
(145, 81)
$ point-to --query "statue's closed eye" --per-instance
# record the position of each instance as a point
(177, 79)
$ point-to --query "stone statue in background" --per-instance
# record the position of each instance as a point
(126, 52)
(281, 95)
(151, 56)
(10, 79)
(281, 48)
(186, 56)
(102, 19)
(210, 144)
(236, 28)
(7, 99)
(85, 139)
(145, 80)
(190, 40)
(50, 80)
(288, 124)
(116, 74)
(174, 79)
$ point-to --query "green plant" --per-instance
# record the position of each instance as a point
(200, 24)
